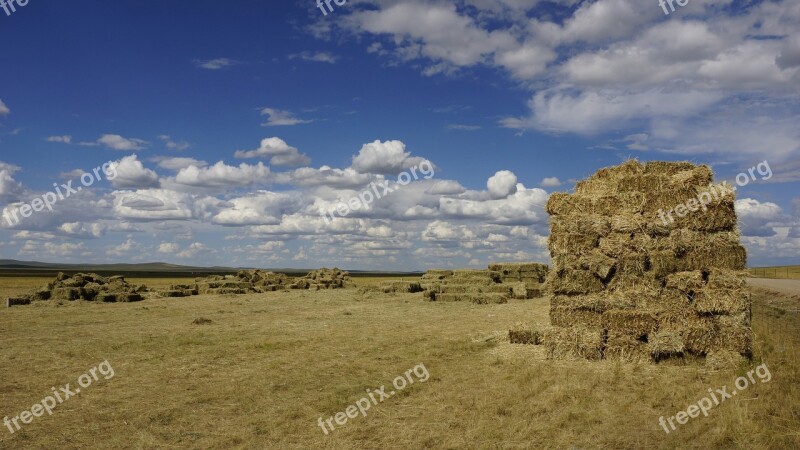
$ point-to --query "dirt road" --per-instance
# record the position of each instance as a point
(788, 287)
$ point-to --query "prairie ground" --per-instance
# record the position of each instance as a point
(257, 371)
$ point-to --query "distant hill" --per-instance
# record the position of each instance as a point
(12, 267)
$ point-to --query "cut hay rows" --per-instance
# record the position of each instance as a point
(627, 285)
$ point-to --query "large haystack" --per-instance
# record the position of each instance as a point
(84, 286)
(630, 283)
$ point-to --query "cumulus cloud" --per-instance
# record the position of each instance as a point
(222, 175)
(10, 189)
(65, 139)
(502, 184)
(324, 57)
(215, 64)
(278, 151)
(168, 247)
(388, 157)
(551, 182)
(171, 163)
(278, 117)
(131, 173)
(117, 142)
(173, 145)
(4, 111)
(755, 217)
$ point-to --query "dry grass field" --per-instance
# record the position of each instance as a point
(261, 369)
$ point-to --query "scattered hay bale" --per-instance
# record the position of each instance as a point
(521, 333)
(17, 301)
(656, 285)
(202, 321)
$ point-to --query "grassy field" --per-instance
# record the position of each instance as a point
(260, 370)
(782, 272)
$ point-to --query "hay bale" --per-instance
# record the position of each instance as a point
(66, 293)
(721, 301)
(17, 301)
(630, 322)
(725, 360)
(573, 342)
(573, 282)
(488, 298)
(665, 343)
(521, 333)
(565, 316)
(621, 346)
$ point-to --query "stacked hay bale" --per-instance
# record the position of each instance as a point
(433, 278)
(633, 280)
(476, 286)
(527, 278)
(324, 279)
(244, 282)
(84, 286)
(401, 286)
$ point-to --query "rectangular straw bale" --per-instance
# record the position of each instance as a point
(629, 322)
(697, 176)
(488, 298)
(628, 223)
(726, 279)
(737, 338)
(591, 224)
(686, 281)
(665, 342)
(667, 168)
(565, 316)
(623, 347)
(574, 282)
(521, 333)
(561, 203)
(572, 242)
(721, 301)
(700, 334)
(732, 256)
(592, 302)
(573, 342)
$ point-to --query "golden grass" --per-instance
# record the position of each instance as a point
(266, 366)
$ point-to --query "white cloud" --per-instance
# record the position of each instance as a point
(170, 163)
(168, 247)
(446, 187)
(4, 111)
(388, 157)
(277, 117)
(222, 175)
(502, 184)
(215, 64)
(83, 230)
(117, 142)
(551, 182)
(10, 189)
(324, 57)
(65, 139)
(173, 145)
(278, 151)
(131, 173)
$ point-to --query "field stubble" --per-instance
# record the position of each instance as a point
(256, 371)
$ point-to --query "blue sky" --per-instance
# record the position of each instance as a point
(511, 100)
